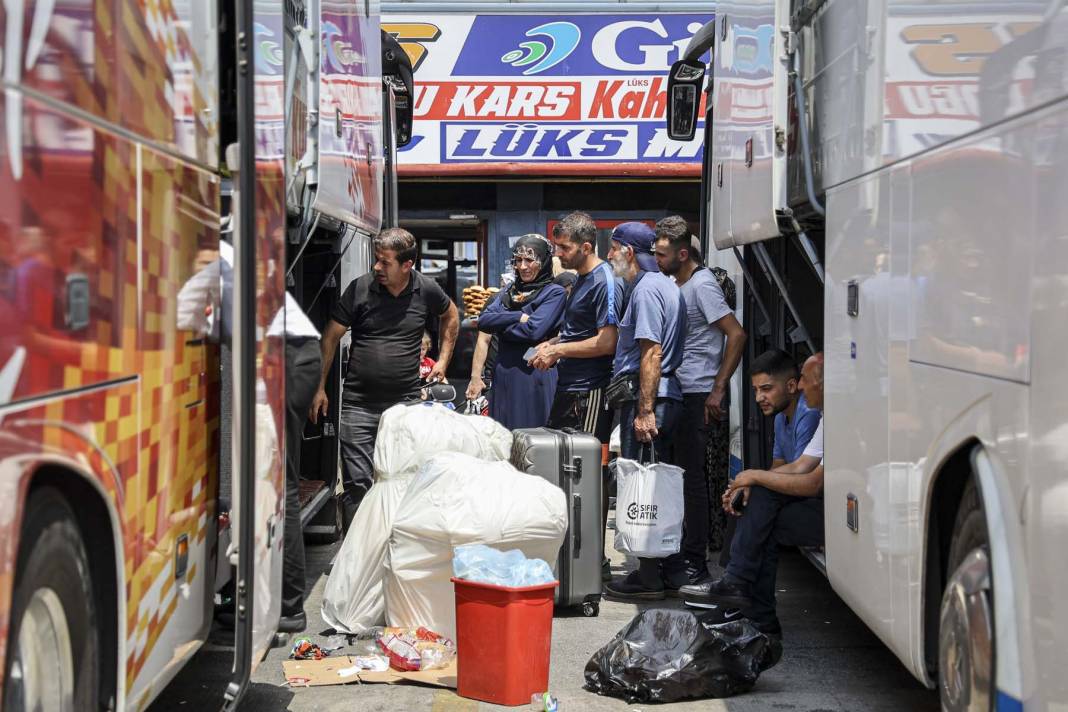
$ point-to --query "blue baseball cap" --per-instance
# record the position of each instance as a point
(640, 237)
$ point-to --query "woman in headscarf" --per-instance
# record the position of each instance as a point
(525, 315)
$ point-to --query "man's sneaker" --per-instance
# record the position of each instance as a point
(632, 588)
(724, 591)
(697, 574)
(675, 580)
(606, 570)
(293, 624)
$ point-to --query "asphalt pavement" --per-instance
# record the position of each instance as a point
(831, 661)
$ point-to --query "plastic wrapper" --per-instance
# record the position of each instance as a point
(649, 509)
(665, 655)
(455, 500)
(412, 649)
(484, 564)
(408, 436)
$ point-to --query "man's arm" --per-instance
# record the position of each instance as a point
(781, 479)
(732, 356)
(478, 363)
(603, 344)
(648, 385)
(328, 346)
(449, 323)
(809, 484)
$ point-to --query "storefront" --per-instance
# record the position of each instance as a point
(522, 118)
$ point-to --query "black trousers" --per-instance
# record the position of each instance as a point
(303, 368)
(771, 520)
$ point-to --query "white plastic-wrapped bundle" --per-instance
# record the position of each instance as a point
(456, 499)
(408, 436)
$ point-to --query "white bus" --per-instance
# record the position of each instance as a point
(928, 179)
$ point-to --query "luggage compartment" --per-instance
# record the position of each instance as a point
(572, 461)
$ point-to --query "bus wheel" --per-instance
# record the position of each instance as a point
(52, 661)
(966, 631)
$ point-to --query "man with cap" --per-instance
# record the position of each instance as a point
(651, 336)
(713, 349)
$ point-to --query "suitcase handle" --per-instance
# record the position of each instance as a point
(576, 525)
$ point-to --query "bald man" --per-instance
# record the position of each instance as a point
(782, 506)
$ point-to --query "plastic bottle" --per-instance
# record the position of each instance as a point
(544, 702)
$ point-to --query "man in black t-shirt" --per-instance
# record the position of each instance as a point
(388, 309)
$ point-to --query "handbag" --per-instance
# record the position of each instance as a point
(624, 388)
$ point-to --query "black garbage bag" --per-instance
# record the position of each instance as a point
(664, 655)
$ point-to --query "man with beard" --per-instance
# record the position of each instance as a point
(388, 309)
(583, 350)
(651, 336)
(714, 345)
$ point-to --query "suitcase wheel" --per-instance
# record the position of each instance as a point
(590, 609)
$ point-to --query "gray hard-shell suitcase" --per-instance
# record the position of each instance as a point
(572, 461)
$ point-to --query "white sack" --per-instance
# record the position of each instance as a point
(456, 499)
(407, 437)
(649, 509)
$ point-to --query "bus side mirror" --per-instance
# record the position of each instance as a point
(684, 98)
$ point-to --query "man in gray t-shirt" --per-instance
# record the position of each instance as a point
(711, 353)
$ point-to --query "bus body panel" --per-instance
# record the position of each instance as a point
(1045, 509)
(351, 160)
(153, 71)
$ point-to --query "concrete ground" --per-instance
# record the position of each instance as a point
(831, 661)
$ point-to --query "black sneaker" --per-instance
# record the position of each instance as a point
(606, 570)
(697, 574)
(721, 591)
(632, 588)
(675, 580)
(293, 624)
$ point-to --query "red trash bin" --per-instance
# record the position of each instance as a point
(503, 637)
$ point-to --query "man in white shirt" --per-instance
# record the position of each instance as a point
(782, 506)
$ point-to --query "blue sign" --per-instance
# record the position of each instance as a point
(582, 45)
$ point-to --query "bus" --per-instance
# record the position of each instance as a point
(888, 180)
(142, 392)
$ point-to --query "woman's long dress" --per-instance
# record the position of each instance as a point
(522, 395)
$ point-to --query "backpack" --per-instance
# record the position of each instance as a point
(730, 293)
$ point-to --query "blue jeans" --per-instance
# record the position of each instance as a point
(771, 519)
(667, 412)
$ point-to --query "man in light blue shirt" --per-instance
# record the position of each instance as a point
(649, 349)
(712, 351)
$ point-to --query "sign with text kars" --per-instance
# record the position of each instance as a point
(578, 94)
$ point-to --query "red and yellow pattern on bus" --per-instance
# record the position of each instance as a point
(112, 193)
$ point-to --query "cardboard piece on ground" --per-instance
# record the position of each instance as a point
(313, 673)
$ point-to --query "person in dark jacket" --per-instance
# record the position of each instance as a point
(525, 315)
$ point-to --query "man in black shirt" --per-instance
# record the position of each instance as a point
(388, 309)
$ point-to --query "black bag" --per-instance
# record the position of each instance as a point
(624, 388)
(664, 655)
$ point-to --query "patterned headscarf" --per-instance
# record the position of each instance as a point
(536, 247)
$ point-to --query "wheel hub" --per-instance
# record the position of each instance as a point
(42, 669)
(966, 642)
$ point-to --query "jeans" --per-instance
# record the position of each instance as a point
(691, 438)
(359, 428)
(770, 520)
(303, 366)
(667, 413)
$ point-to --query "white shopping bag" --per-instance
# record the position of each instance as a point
(649, 509)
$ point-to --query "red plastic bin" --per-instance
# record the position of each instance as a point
(503, 637)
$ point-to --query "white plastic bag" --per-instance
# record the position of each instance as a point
(456, 499)
(407, 437)
(649, 509)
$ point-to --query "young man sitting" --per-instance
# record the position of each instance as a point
(783, 506)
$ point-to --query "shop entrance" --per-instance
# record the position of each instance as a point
(453, 254)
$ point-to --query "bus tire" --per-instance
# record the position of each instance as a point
(966, 645)
(53, 650)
